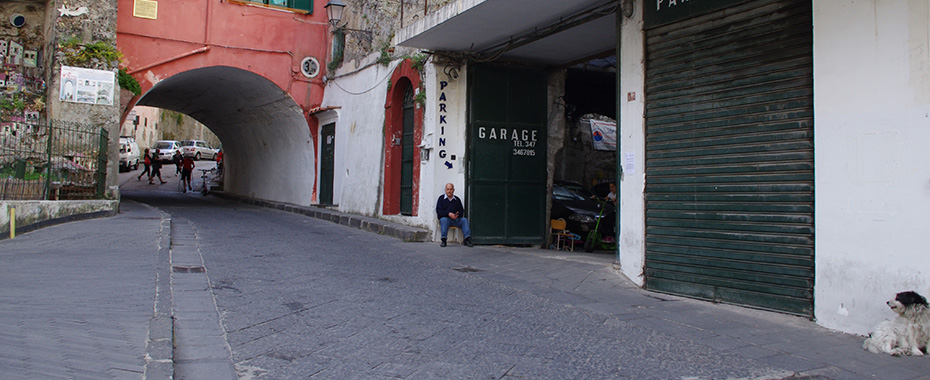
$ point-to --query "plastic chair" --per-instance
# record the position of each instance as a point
(560, 235)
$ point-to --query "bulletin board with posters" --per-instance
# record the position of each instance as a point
(88, 86)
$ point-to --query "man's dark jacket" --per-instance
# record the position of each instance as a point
(444, 206)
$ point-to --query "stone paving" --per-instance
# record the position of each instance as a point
(77, 298)
(175, 293)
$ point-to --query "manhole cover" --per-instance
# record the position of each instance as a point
(466, 269)
(183, 269)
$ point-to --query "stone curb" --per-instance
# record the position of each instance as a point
(378, 226)
(159, 348)
(66, 218)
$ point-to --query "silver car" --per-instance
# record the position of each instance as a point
(197, 149)
(166, 149)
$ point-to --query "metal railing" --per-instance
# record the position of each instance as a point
(56, 161)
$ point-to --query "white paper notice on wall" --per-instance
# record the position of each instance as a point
(629, 162)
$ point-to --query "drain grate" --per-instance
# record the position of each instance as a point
(466, 269)
(183, 269)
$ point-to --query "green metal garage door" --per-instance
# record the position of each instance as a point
(729, 153)
(507, 155)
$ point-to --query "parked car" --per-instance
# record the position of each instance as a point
(166, 149)
(574, 186)
(129, 154)
(574, 204)
(197, 149)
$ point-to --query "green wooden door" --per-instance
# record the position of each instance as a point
(406, 156)
(729, 155)
(327, 163)
(507, 154)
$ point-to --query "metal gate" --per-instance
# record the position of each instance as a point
(507, 155)
(729, 153)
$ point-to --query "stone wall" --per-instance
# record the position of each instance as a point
(22, 75)
(579, 161)
(383, 19)
(31, 215)
(74, 24)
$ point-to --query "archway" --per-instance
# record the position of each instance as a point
(268, 149)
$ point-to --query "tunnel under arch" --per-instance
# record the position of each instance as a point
(267, 146)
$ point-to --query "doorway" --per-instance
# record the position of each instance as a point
(327, 163)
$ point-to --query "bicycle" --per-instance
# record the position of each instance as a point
(205, 188)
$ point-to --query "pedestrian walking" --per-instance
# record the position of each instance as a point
(177, 163)
(156, 170)
(148, 166)
(187, 166)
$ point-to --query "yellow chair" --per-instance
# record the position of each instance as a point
(455, 234)
(560, 235)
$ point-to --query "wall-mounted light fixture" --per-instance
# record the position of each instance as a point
(627, 8)
(334, 10)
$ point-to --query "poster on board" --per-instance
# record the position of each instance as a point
(89, 86)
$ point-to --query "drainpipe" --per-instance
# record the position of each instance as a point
(207, 27)
(166, 60)
(618, 167)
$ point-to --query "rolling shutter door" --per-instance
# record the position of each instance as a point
(729, 156)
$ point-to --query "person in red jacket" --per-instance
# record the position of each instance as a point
(187, 167)
(219, 162)
(148, 166)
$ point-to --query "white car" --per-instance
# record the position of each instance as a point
(197, 149)
(166, 149)
(129, 154)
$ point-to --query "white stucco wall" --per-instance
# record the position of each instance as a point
(445, 118)
(632, 145)
(359, 166)
(359, 137)
(872, 161)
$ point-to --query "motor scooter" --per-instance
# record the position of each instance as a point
(597, 239)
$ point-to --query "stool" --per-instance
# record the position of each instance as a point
(454, 235)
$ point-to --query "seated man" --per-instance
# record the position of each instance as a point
(449, 210)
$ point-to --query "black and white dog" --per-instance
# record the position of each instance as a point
(908, 333)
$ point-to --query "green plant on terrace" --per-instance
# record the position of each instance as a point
(419, 61)
(128, 82)
(386, 50)
(80, 55)
(13, 102)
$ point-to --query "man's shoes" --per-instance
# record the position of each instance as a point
(443, 244)
(468, 242)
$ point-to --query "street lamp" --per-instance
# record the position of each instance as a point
(334, 12)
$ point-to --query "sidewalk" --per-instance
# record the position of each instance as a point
(79, 304)
(79, 300)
